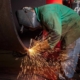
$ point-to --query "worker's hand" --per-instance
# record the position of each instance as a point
(38, 48)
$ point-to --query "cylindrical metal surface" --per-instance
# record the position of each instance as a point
(9, 38)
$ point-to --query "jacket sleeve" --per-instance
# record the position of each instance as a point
(53, 24)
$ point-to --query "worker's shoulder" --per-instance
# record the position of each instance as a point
(58, 8)
(47, 7)
(53, 6)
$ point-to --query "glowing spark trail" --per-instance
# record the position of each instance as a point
(36, 67)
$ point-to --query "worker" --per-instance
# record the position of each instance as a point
(61, 22)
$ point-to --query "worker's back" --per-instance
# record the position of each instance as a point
(69, 19)
(62, 11)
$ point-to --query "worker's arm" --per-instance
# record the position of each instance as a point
(53, 24)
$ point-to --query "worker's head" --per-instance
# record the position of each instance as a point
(27, 17)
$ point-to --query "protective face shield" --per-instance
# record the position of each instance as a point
(27, 17)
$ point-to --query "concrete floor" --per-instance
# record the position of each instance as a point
(10, 67)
